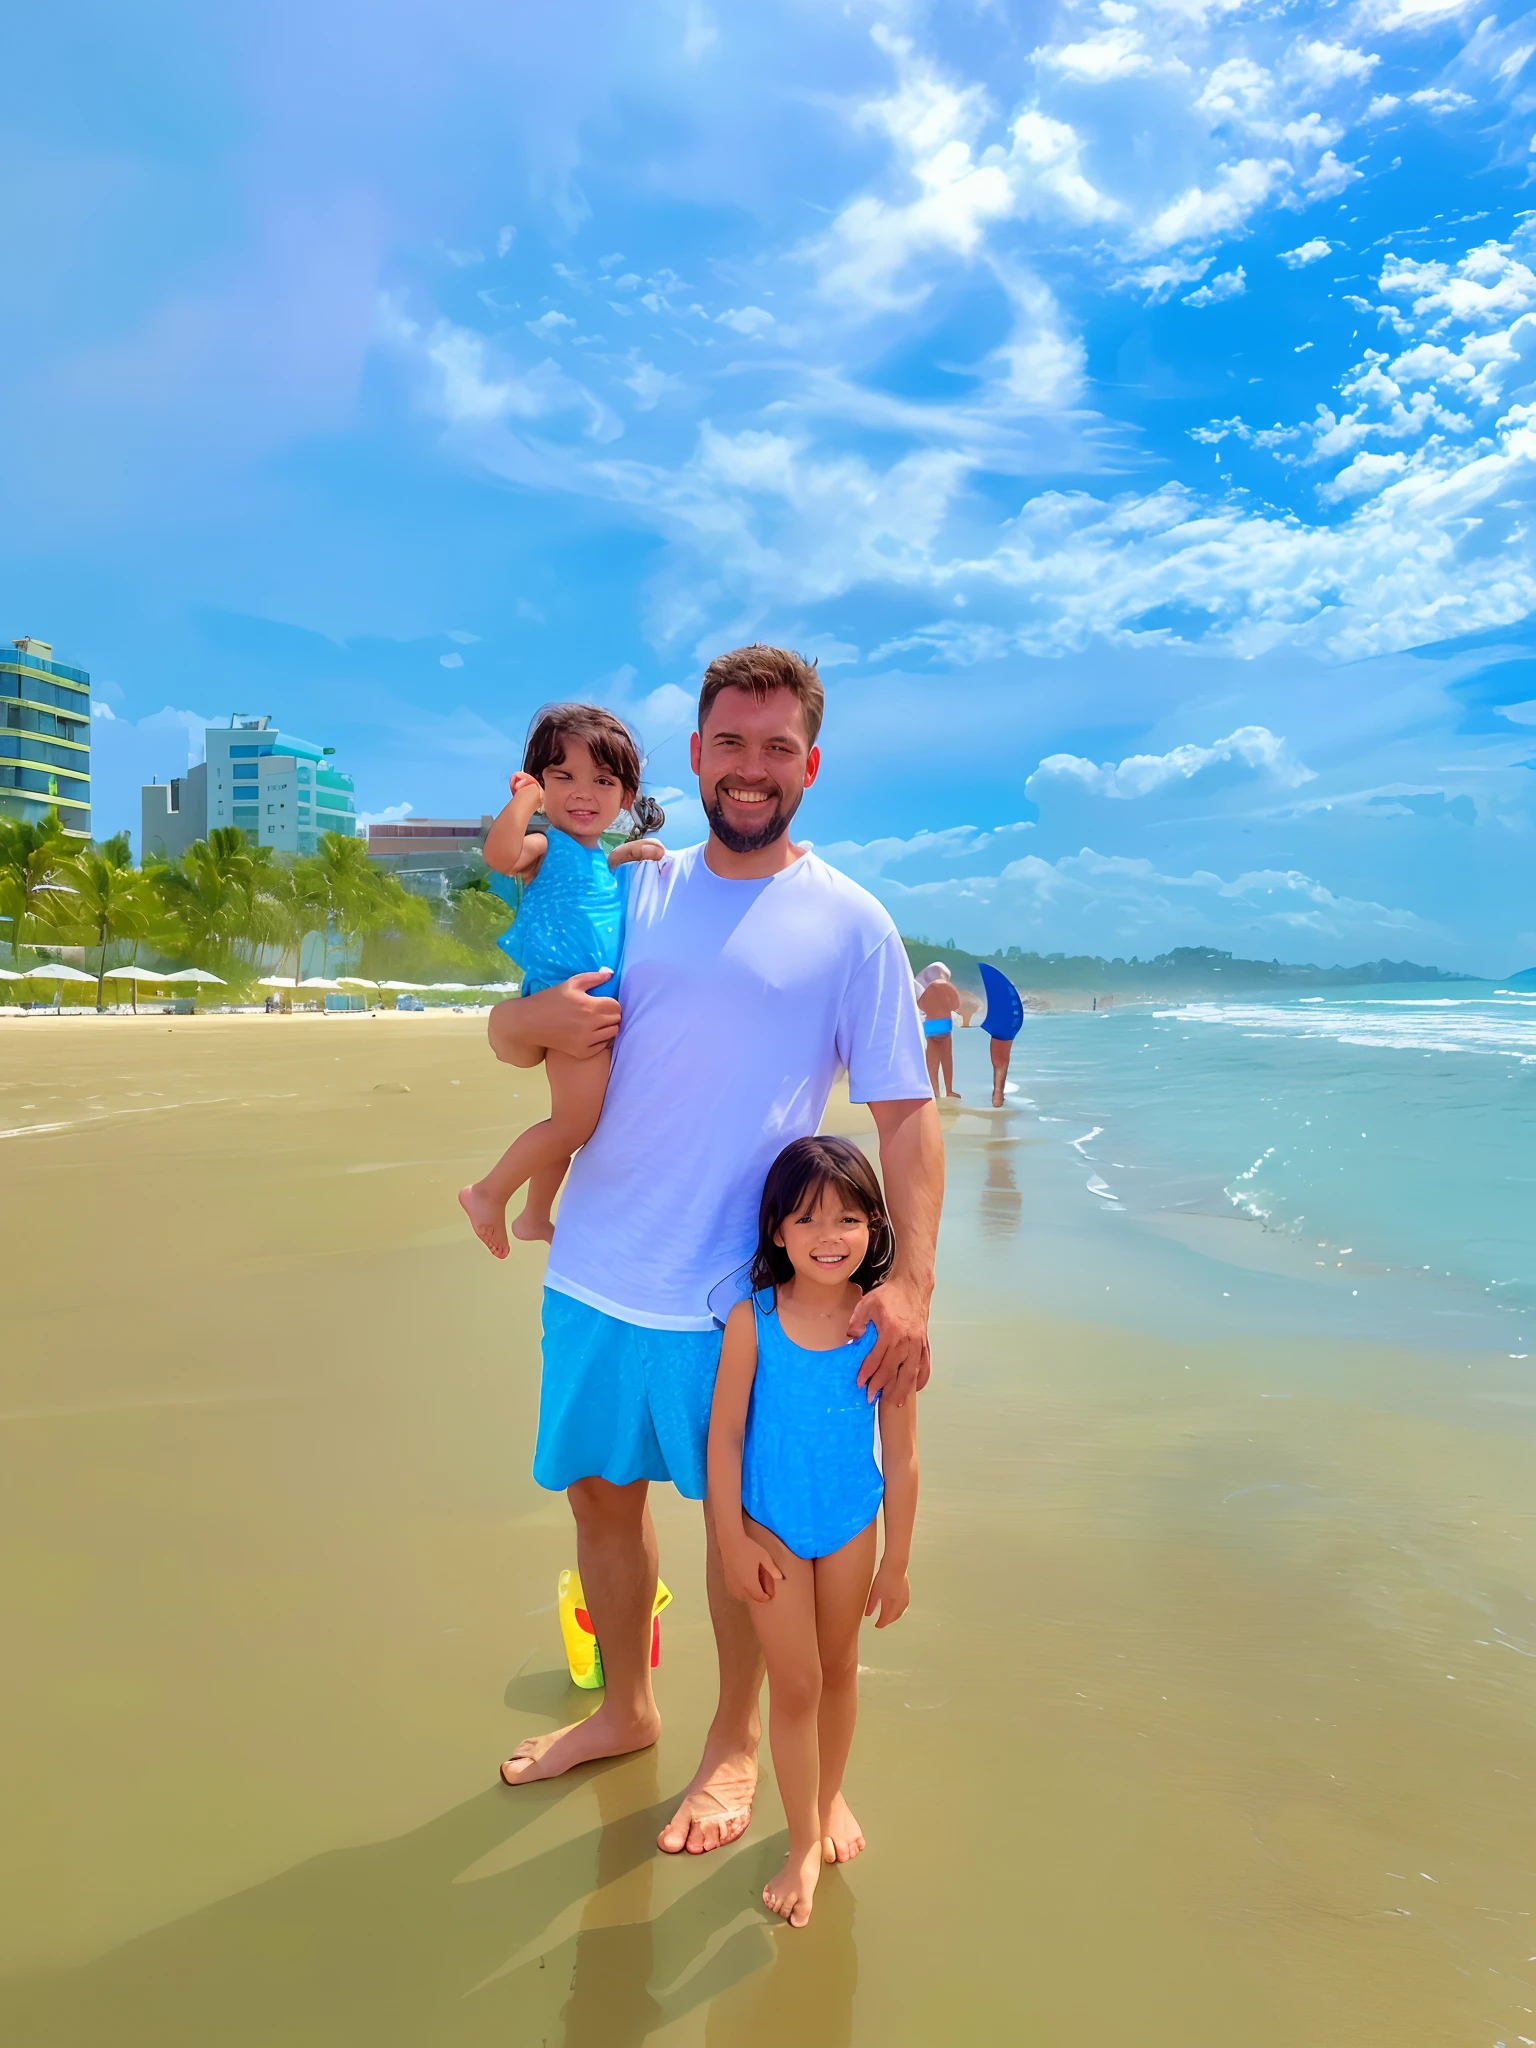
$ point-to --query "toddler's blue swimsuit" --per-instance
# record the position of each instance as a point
(808, 1469)
(570, 919)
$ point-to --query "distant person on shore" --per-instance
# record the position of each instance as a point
(753, 975)
(795, 1489)
(581, 768)
(938, 1001)
(1002, 1024)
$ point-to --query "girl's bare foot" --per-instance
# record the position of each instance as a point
(488, 1216)
(601, 1734)
(841, 1836)
(791, 1892)
(534, 1229)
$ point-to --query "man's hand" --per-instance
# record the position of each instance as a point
(572, 1017)
(898, 1363)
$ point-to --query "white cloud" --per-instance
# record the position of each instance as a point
(1333, 63)
(505, 240)
(747, 319)
(1487, 284)
(1309, 252)
(1253, 747)
(1331, 177)
(463, 639)
(1113, 53)
(100, 710)
(451, 660)
(392, 814)
(1200, 214)
(548, 325)
(1093, 902)
(1439, 100)
(666, 710)
(1384, 103)
(1230, 285)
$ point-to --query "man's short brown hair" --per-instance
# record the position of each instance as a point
(762, 670)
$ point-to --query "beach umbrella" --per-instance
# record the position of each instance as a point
(11, 973)
(318, 981)
(57, 973)
(276, 981)
(355, 981)
(410, 988)
(197, 974)
(449, 988)
(135, 975)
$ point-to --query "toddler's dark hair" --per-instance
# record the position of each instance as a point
(795, 1180)
(607, 739)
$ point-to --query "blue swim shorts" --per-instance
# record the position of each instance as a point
(621, 1403)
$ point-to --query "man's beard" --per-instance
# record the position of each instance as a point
(776, 825)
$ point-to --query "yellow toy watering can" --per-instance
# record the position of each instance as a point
(581, 1651)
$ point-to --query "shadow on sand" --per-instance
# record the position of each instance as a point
(400, 1945)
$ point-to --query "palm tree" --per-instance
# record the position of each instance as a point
(31, 856)
(301, 904)
(221, 895)
(111, 901)
(360, 895)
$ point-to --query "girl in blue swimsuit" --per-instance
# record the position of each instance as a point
(796, 1484)
(581, 768)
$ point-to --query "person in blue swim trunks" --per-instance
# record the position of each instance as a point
(754, 975)
(581, 768)
(795, 1486)
(938, 1001)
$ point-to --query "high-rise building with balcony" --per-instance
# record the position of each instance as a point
(280, 791)
(45, 737)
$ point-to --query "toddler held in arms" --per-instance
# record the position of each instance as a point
(581, 768)
(795, 1490)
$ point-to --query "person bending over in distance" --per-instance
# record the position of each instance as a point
(795, 1490)
(938, 1002)
(581, 768)
(754, 975)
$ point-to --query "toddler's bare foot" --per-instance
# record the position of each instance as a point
(997, 1098)
(791, 1892)
(531, 1228)
(488, 1216)
(601, 1734)
(841, 1836)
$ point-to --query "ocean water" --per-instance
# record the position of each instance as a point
(1364, 1161)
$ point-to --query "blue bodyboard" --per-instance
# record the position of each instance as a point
(1005, 1006)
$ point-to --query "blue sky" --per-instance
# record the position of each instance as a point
(1127, 403)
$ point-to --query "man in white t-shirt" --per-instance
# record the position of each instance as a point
(753, 975)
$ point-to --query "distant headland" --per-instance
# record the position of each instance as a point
(1184, 972)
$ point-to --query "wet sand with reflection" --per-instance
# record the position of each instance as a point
(1211, 1720)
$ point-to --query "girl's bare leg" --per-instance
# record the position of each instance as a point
(786, 1628)
(576, 1090)
(842, 1587)
(537, 1220)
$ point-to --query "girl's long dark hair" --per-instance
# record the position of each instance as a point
(795, 1179)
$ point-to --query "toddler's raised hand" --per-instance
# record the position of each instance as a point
(750, 1573)
(521, 781)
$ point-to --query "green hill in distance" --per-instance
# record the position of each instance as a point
(1186, 971)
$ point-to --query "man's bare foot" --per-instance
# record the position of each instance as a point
(488, 1216)
(601, 1734)
(532, 1229)
(716, 1808)
(791, 1892)
(841, 1836)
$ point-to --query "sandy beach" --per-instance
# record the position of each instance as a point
(1206, 1724)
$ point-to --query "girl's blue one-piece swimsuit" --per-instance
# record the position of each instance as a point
(570, 919)
(808, 1467)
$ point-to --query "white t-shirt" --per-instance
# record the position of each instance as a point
(743, 1002)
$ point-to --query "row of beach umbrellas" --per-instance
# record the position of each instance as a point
(57, 972)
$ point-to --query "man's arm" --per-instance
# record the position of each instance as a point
(573, 1016)
(912, 1167)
